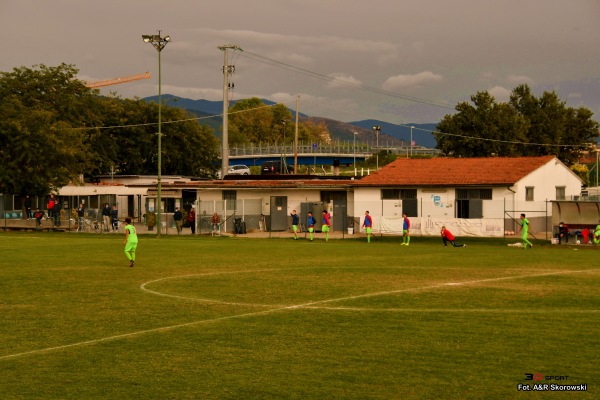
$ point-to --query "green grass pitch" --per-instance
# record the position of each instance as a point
(239, 318)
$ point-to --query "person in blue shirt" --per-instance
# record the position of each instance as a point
(310, 222)
(368, 224)
(405, 230)
(295, 223)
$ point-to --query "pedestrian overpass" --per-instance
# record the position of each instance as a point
(346, 153)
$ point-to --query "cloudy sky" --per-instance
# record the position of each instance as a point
(398, 61)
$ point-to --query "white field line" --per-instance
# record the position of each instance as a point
(264, 312)
(455, 310)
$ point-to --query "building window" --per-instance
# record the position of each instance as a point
(529, 193)
(390, 194)
(231, 197)
(560, 193)
(474, 194)
(398, 194)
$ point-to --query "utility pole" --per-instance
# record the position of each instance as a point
(411, 141)
(227, 70)
(376, 130)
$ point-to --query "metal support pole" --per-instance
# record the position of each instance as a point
(159, 43)
(227, 70)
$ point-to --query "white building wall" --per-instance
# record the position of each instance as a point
(294, 196)
(545, 180)
(436, 202)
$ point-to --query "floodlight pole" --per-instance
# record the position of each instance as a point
(159, 43)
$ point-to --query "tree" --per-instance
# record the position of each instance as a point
(131, 146)
(54, 129)
(526, 125)
(39, 150)
(481, 130)
(252, 121)
(249, 122)
(562, 131)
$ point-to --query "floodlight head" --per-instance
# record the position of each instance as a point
(147, 38)
(167, 38)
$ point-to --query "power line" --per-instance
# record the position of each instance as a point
(435, 132)
(306, 72)
(86, 128)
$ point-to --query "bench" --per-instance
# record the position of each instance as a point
(576, 230)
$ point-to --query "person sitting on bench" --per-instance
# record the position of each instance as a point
(563, 233)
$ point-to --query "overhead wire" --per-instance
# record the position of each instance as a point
(85, 128)
(435, 132)
(304, 71)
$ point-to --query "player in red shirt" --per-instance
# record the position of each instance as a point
(447, 236)
(326, 224)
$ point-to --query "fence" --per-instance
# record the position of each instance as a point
(492, 218)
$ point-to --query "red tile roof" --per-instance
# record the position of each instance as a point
(454, 171)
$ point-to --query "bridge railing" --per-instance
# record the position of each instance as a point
(334, 148)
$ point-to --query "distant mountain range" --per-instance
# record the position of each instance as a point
(390, 133)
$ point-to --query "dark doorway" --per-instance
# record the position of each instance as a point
(278, 213)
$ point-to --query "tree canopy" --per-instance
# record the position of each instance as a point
(54, 129)
(525, 126)
(252, 121)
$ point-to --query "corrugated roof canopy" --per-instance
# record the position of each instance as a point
(92, 190)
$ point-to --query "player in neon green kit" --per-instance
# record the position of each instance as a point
(597, 234)
(130, 241)
(525, 232)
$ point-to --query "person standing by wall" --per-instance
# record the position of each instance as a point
(106, 214)
(50, 206)
(368, 224)
(177, 217)
(295, 223)
(57, 209)
(326, 224)
(310, 222)
(525, 232)
(191, 219)
(130, 241)
(216, 223)
(27, 205)
(80, 217)
(447, 236)
(405, 230)
(115, 218)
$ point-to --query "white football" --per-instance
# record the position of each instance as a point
(578, 242)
